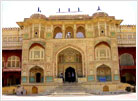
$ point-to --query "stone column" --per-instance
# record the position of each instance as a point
(39, 28)
(75, 30)
(105, 30)
(32, 30)
(98, 29)
(63, 31)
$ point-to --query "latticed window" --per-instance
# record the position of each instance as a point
(37, 53)
(126, 59)
(102, 53)
(13, 61)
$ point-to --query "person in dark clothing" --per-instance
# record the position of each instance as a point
(61, 76)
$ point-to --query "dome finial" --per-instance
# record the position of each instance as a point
(38, 10)
(98, 8)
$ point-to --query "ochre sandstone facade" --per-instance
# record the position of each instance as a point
(94, 51)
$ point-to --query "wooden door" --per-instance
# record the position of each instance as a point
(34, 90)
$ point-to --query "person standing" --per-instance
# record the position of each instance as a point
(61, 76)
(72, 77)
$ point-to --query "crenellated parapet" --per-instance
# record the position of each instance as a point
(11, 28)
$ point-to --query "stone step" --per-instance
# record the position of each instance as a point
(67, 89)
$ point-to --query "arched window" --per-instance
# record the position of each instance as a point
(36, 75)
(103, 73)
(80, 32)
(102, 52)
(126, 60)
(36, 53)
(69, 32)
(13, 61)
(3, 62)
(57, 33)
(80, 35)
(58, 36)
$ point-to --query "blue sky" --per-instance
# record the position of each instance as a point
(14, 11)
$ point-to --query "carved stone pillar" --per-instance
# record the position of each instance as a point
(75, 31)
(98, 29)
(32, 30)
(63, 31)
(39, 28)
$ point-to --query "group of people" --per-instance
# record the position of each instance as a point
(70, 77)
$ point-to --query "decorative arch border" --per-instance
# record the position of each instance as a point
(58, 26)
(103, 64)
(37, 42)
(80, 26)
(127, 53)
(108, 65)
(69, 26)
(83, 28)
(73, 47)
(36, 66)
(108, 43)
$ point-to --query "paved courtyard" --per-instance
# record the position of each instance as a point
(130, 96)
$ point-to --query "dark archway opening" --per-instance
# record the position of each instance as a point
(38, 77)
(70, 75)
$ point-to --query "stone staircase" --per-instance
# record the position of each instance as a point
(67, 89)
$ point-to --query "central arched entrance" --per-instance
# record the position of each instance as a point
(70, 75)
(69, 61)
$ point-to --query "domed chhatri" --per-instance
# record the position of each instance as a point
(38, 16)
(99, 13)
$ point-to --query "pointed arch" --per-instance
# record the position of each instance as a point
(80, 32)
(57, 33)
(69, 33)
(126, 59)
(103, 73)
(74, 48)
(36, 52)
(102, 51)
(13, 61)
(36, 74)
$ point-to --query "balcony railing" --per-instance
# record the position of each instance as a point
(11, 41)
(127, 41)
(11, 44)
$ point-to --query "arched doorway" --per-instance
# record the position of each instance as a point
(69, 57)
(70, 75)
(105, 89)
(34, 90)
(38, 77)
